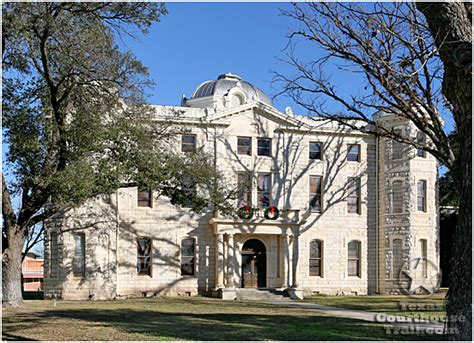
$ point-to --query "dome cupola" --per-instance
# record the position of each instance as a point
(229, 89)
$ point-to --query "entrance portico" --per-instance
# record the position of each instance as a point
(243, 245)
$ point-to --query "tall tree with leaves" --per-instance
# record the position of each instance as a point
(416, 60)
(75, 119)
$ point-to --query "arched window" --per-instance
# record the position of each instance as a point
(397, 197)
(316, 258)
(397, 256)
(353, 258)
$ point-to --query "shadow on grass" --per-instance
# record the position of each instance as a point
(156, 324)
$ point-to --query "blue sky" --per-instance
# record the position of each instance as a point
(198, 41)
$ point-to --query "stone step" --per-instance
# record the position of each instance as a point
(265, 294)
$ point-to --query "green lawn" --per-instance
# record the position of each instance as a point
(398, 305)
(193, 318)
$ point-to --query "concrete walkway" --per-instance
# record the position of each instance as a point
(402, 322)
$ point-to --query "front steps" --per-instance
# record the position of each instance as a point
(262, 294)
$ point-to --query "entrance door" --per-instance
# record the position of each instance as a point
(254, 264)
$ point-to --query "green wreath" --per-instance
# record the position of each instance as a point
(245, 212)
(271, 213)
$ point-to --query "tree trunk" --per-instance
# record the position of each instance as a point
(11, 269)
(450, 24)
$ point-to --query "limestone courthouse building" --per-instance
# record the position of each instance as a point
(330, 210)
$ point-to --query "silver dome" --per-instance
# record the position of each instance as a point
(224, 83)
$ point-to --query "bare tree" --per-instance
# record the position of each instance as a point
(415, 60)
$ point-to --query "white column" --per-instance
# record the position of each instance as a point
(230, 261)
(219, 261)
(295, 261)
(286, 260)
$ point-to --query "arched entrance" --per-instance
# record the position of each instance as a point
(254, 264)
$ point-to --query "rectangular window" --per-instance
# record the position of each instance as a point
(424, 257)
(397, 196)
(187, 256)
(188, 186)
(244, 184)
(263, 190)
(421, 198)
(353, 258)
(188, 143)
(353, 152)
(264, 147)
(397, 150)
(353, 195)
(144, 256)
(315, 188)
(316, 258)
(421, 140)
(314, 151)
(144, 198)
(244, 146)
(54, 255)
(78, 262)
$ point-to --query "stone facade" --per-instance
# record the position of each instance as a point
(111, 224)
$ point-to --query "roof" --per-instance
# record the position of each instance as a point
(226, 82)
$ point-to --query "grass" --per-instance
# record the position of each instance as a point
(194, 318)
(401, 305)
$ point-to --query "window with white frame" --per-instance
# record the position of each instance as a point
(244, 146)
(353, 258)
(316, 258)
(353, 152)
(144, 256)
(188, 143)
(315, 151)
(421, 196)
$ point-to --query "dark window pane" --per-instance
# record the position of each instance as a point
(78, 266)
(263, 190)
(188, 186)
(397, 197)
(353, 152)
(264, 147)
(397, 256)
(144, 256)
(187, 256)
(314, 151)
(315, 193)
(421, 139)
(353, 267)
(353, 195)
(421, 197)
(244, 145)
(353, 258)
(315, 249)
(144, 198)
(188, 143)
(244, 184)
